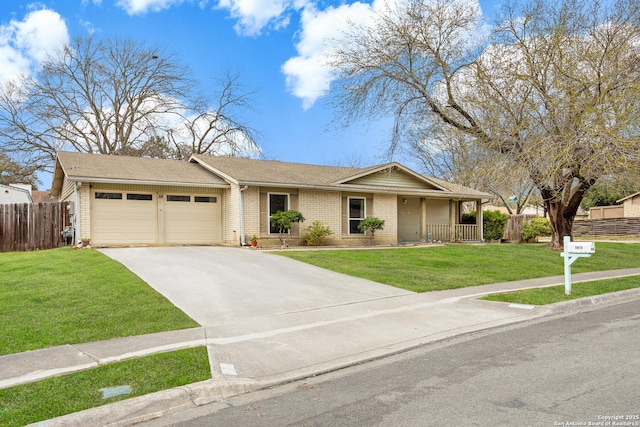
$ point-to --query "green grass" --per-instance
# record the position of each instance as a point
(65, 296)
(75, 392)
(424, 269)
(554, 294)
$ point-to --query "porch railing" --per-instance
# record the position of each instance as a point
(448, 233)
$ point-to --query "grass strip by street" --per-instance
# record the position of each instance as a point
(57, 396)
(67, 296)
(554, 294)
(424, 269)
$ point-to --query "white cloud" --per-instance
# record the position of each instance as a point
(254, 15)
(24, 44)
(140, 7)
(308, 75)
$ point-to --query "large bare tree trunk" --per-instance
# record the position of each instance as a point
(561, 224)
(562, 209)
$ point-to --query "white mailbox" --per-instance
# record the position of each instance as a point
(580, 248)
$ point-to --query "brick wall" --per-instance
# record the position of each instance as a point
(251, 212)
(85, 211)
(325, 206)
(385, 206)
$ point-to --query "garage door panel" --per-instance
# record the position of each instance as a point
(123, 221)
(191, 222)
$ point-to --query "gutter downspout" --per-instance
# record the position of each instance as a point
(243, 242)
(76, 214)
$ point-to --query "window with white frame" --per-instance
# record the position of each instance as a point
(356, 213)
(277, 202)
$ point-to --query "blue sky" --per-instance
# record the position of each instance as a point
(276, 45)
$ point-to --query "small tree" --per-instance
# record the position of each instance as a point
(371, 224)
(283, 220)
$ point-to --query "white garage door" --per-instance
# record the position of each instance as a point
(192, 219)
(119, 217)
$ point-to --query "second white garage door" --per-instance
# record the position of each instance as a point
(121, 218)
(192, 219)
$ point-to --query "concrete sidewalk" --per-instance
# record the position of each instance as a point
(268, 350)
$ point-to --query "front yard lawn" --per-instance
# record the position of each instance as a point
(67, 296)
(57, 396)
(423, 269)
(553, 294)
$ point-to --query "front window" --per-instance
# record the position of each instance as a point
(277, 202)
(356, 214)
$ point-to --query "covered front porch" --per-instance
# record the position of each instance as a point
(422, 219)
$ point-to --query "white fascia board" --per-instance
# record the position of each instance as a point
(138, 182)
(362, 189)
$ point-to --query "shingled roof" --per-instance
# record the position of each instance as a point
(218, 172)
(276, 173)
(84, 167)
(240, 170)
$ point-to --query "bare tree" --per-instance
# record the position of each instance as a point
(93, 96)
(14, 172)
(217, 128)
(555, 88)
(453, 155)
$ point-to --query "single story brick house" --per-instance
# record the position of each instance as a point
(210, 200)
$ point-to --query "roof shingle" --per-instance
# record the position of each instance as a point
(79, 166)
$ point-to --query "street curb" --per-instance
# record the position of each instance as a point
(150, 406)
(602, 299)
(179, 399)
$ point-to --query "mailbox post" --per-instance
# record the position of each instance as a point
(573, 251)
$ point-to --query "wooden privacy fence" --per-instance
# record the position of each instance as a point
(513, 231)
(607, 227)
(31, 226)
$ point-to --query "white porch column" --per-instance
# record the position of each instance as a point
(479, 219)
(453, 211)
(423, 219)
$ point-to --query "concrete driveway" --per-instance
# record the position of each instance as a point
(215, 285)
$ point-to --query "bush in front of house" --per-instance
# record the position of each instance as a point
(317, 234)
(494, 223)
(534, 228)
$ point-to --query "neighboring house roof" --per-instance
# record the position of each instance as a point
(631, 196)
(298, 175)
(81, 167)
(14, 194)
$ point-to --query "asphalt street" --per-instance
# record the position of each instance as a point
(564, 370)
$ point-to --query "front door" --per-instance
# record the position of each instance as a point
(408, 219)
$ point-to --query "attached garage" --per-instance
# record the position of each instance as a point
(119, 200)
(138, 218)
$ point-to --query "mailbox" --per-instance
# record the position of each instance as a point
(580, 248)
